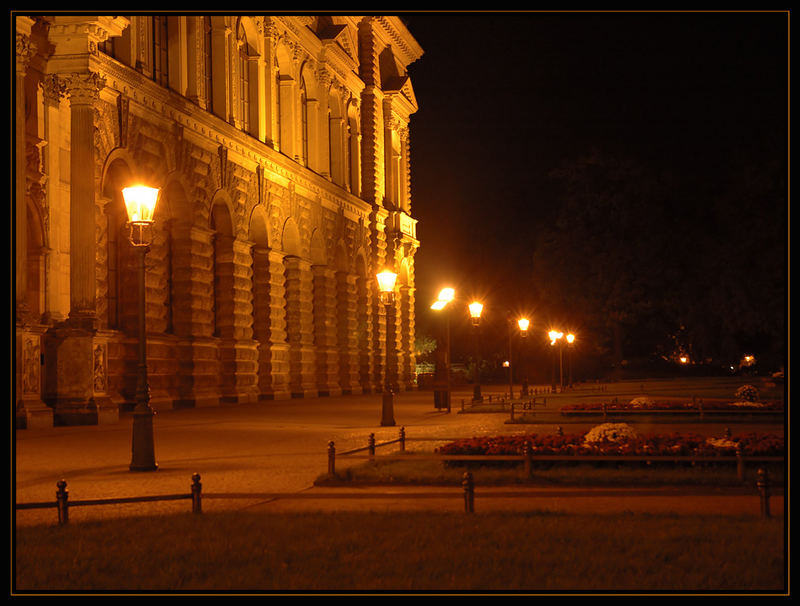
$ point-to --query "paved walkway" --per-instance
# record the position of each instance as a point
(280, 448)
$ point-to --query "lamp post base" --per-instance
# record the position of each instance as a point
(476, 394)
(387, 418)
(143, 456)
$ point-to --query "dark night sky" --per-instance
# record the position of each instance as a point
(506, 97)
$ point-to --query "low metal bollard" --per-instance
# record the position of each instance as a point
(62, 502)
(197, 488)
(763, 490)
(469, 492)
(402, 439)
(331, 459)
(371, 445)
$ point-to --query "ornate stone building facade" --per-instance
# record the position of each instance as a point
(281, 149)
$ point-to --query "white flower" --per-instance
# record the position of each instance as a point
(748, 404)
(610, 432)
(642, 402)
(747, 392)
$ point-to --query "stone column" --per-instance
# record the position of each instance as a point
(24, 52)
(83, 91)
(57, 258)
(347, 328)
(325, 334)
(30, 410)
(300, 327)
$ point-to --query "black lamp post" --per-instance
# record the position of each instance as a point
(446, 295)
(555, 338)
(140, 202)
(475, 309)
(523, 324)
(570, 341)
(386, 281)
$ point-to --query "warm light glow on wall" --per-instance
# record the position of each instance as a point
(439, 305)
(554, 336)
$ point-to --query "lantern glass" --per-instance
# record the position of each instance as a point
(140, 202)
(386, 280)
(523, 324)
(570, 338)
(475, 309)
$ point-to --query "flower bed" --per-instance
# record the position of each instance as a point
(673, 444)
(647, 404)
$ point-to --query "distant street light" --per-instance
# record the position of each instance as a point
(475, 309)
(140, 204)
(386, 282)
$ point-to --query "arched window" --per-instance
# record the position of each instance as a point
(244, 79)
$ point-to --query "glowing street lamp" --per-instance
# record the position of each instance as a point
(475, 309)
(386, 282)
(447, 295)
(140, 203)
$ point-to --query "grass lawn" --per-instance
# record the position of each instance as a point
(517, 552)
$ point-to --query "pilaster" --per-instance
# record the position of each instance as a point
(325, 334)
(347, 327)
(192, 318)
(300, 327)
(237, 350)
(372, 174)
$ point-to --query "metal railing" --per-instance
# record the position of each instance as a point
(63, 504)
